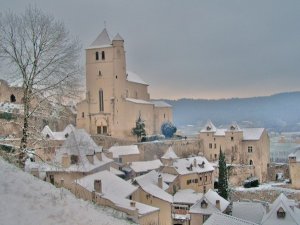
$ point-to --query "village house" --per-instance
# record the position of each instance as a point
(191, 173)
(151, 191)
(106, 189)
(115, 97)
(183, 200)
(294, 168)
(247, 146)
(78, 156)
(210, 203)
(52, 140)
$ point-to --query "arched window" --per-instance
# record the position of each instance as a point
(101, 102)
(103, 55)
(12, 98)
(97, 55)
(251, 162)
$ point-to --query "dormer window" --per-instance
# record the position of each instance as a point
(280, 213)
(232, 128)
(208, 128)
(203, 204)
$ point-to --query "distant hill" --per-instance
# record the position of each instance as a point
(280, 112)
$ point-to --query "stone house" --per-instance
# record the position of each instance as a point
(247, 146)
(210, 203)
(151, 191)
(106, 189)
(191, 173)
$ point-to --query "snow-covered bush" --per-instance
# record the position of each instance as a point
(168, 129)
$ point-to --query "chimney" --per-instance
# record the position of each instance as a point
(132, 204)
(66, 161)
(98, 186)
(99, 156)
(159, 181)
(218, 204)
(90, 158)
(195, 162)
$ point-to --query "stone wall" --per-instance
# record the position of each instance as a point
(275, 168)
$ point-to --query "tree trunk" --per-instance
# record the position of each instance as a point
(24, 139)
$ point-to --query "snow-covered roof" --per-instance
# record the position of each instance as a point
(220, 132)
(224, 219)
(26, 200)
(78, 143)
(197, 164)
(170, 154)
(145, 166)
(209, 127)
(149, 183)
(213, 196)
(102, 40)
(296, 154)
(204, 207)
(60, 135)
(187, 196)
(292, 214)
(234, 127)
(138, 101)
(116, 172)
(118, 151)
(161, 104)
(251, 211)
(118, 38)
(252, 134)
(112, 185)
(168, 178)
(133, 77)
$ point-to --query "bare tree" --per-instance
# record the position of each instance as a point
(44, 59)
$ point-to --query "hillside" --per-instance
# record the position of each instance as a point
(280, 112)
(27, 200)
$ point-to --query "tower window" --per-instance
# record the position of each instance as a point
(251, 162)
(103, 55)
(100, 74)
(97, 55)
(82, 115)
(101, 102)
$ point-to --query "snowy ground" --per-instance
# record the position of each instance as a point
(269, 186)
(25, 199)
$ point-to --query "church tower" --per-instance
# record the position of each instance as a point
(115, 97)
(105, 79)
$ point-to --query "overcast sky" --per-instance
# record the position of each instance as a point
(194, 49)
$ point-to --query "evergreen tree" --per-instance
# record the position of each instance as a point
(139, 129)
(223, 177)
(168, 129)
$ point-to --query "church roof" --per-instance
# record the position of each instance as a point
(102, 40)
(133, 77)
(118, 38)
(161, 104)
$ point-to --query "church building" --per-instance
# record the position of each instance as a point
(115, 97)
